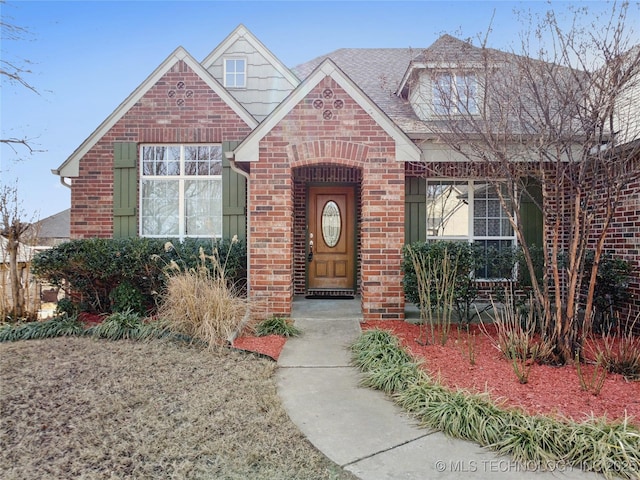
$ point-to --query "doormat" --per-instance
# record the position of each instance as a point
(329, 295)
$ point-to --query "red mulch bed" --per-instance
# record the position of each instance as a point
(269, 345)
(551, 390)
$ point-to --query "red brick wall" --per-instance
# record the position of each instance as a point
(179, 108)
(623, 237)
(327, 127)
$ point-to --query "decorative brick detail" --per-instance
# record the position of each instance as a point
(156, 118)
(302, 148)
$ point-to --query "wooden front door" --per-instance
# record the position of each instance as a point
(331, 251)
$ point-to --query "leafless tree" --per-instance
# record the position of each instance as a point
(558, 112)
(16, 235)
(15, 71)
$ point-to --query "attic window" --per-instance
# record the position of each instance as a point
(455, 93)
(235, 73)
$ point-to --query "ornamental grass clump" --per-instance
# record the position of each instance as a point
(277, 326)
(515, 337)
(618, 351)
(62, 326)
(126, 325)
(201, 303)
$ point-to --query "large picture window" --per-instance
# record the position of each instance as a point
(181, 191)
(469, 211)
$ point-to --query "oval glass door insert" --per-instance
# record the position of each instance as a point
(331, 224)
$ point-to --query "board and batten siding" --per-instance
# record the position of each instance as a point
(415, 209)
(125, 193)
(125, 189)
(266, 86)
(234, 198)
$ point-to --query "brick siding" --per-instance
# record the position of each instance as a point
(326, 129)
(179, 108)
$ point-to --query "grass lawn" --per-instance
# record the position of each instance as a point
(76, 407)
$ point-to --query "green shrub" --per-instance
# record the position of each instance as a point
(107, 275)
(125, 297)
(66, 307)
(468, 260)
(277, 326)
(611, 289)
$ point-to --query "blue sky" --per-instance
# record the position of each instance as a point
(88, 56)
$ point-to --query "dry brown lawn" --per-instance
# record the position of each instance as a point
(88, 409)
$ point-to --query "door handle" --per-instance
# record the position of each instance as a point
(310, 255)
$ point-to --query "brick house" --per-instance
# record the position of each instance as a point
(320, 168)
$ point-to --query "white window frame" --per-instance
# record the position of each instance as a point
(470, 236)
(181, 178)
(453, 105)
(235, 72)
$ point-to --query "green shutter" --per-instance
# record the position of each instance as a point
(531, 215)
(234, 197)
(415, 209)
(125, 182)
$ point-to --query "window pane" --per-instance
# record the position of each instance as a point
(498, 259)
(234, 73)
(447, 209)
(442, 94)
(467, 88)
(159, 208)
(203, 204)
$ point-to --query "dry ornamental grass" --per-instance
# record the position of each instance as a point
(87, 409)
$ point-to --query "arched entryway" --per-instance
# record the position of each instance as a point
(328, 266)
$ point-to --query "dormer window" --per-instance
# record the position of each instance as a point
(235, 73)
(455, 93)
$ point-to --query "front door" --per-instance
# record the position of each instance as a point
(331, 252)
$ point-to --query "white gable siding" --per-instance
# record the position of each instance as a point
(627, 114)
(421, 96)
(266, 86)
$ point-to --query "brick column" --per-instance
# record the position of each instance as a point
(382, 239)
(271, 236)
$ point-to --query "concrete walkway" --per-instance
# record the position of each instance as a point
(361, 429)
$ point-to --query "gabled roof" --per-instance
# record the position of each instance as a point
(406, 150)
(377, 71)
(242, 32)
(446, 51)
(57, 225)
(70, 167)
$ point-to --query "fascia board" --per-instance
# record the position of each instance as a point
(406, 150)
(71, 167)
(243, 32)
(407, 75)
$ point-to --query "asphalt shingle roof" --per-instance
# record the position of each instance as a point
(378, 72)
